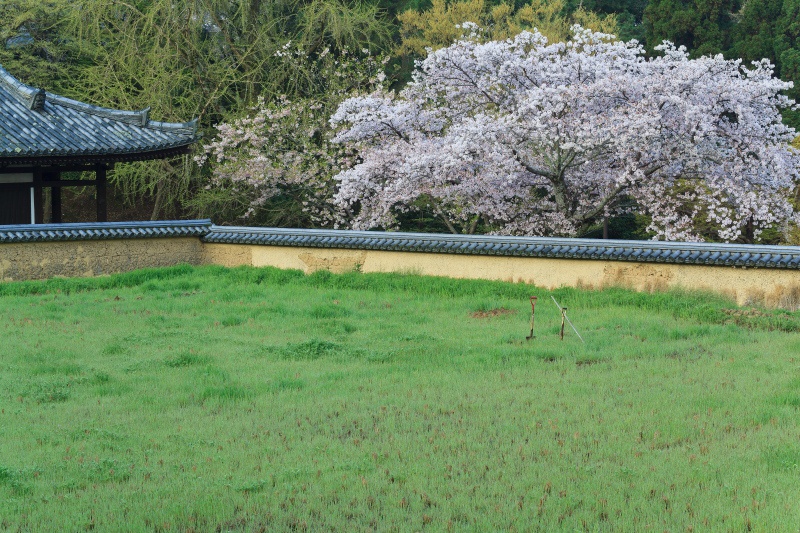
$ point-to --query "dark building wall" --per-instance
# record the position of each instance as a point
(15, 204)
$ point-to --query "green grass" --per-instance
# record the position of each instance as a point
(207, 399)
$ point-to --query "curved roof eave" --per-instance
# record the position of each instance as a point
(39, 126)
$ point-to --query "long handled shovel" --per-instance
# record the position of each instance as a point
(533, 312)
(565, 317)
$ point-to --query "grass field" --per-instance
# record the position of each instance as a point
(206, 399)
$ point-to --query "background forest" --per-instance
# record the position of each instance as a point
(290, 63)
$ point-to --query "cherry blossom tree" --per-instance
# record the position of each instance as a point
(275, 164)
(534, 138)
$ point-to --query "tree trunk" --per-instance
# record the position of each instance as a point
(158, 200)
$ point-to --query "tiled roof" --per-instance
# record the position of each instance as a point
(609, 250)
(36, 126)
(93, 231)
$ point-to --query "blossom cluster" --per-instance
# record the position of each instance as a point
(282, 148)
(539, 138)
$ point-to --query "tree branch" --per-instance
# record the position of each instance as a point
(473, 224)
(447, 222)
(533, 170)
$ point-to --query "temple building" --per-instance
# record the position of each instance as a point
(43, 135)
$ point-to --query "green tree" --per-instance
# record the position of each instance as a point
(436, 27)
(274, 165)
(771, 29)
(32, 47)
(183, 58)
(702, 26)
(628, 13)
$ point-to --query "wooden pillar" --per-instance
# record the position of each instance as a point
(55, 211)
(102, 208)
(38, 211)
(55, 195)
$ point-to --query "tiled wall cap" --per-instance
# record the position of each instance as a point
(739, 255)
(103, 230)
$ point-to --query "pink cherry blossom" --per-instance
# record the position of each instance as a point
(538, 138)
(282, 148)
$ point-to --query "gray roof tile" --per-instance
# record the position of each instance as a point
(36, 125)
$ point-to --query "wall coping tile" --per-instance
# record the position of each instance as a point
(86, 231)
(736, 255)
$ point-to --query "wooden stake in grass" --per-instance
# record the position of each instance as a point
(533, 312)
(564, 317)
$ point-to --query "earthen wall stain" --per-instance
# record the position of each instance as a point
(228, 255)
(25, 261)
(341, 261)
(770, 287)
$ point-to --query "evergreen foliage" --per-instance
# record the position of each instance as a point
(771, 29)
(33, 47)
(702, 26)
(439, 26)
